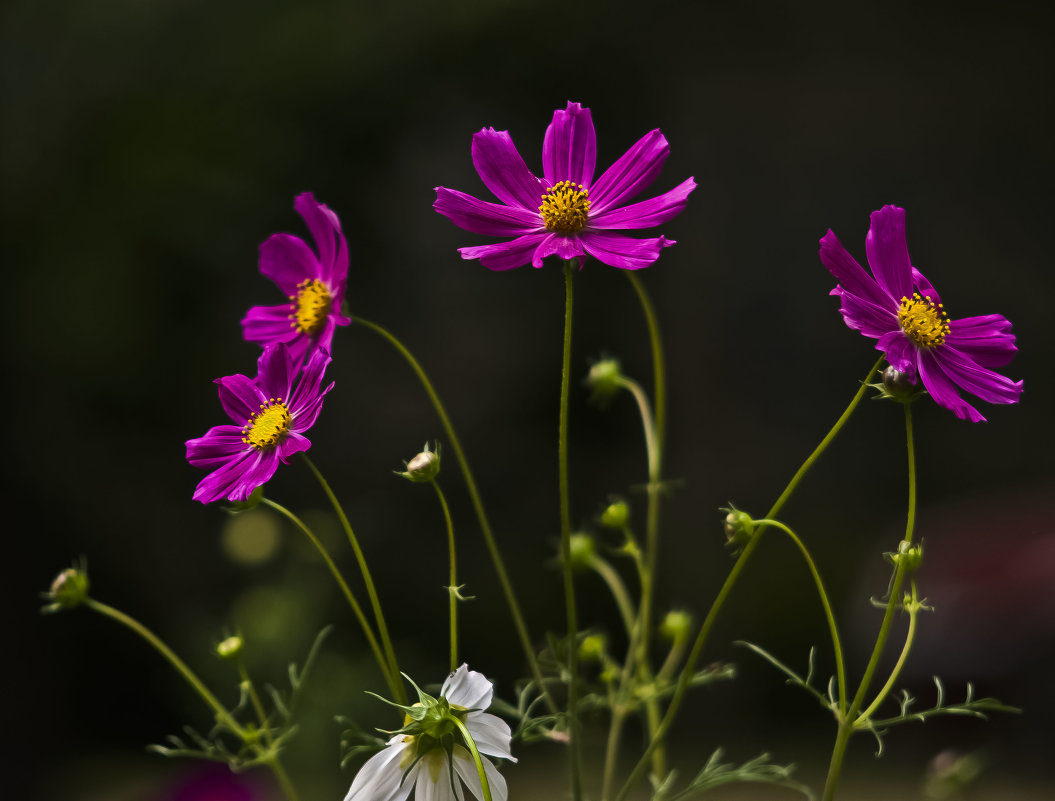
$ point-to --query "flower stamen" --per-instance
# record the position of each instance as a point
(565, 208)
(923, 321)
(269, 426)
(309, 306)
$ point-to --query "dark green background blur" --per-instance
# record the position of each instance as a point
(147, 148)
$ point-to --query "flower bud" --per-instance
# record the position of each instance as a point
(616, 515)
(592, 648)
(424, 467)
(230, 648)
(69, 589)
(911, 554)
(739, 526)
(604, 379)
(898, 386)
(582, 549)
(676, 625)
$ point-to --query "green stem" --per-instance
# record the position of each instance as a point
(840, 667)
(283, 778)
(222, 715)
(478, 507)
(641, 653)
(846, 726)
(565, 533)
(689, 669)
(618, 589)
(659, 389)
(375, 602)
(479, 760)
(913, 615)
(393, 681)
(255, 699)
(452, 589)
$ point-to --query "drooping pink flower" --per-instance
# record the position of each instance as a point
(313, 282)
(567, 213)
(897, 306)
(270, 417)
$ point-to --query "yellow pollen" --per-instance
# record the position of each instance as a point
(310, 306)
(266, 428)
(565, 208)
(923, 321)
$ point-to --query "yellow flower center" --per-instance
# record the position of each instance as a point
(923, 321)
(268, 426)
(310, 306)
(564, 208)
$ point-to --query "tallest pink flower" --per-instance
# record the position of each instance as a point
(566, 213)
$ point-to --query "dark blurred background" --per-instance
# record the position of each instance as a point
(147, 148)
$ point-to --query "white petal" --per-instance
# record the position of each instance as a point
(378, 779)
(467, 688)
(428, 788)
(466, 768)
(491, 734)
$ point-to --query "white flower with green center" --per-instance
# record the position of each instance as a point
(429, 757)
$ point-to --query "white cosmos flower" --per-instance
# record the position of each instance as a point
(400, 768)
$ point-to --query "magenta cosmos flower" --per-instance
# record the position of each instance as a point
(313, 283)
(900, 308)
(270, 416)
(568, 213)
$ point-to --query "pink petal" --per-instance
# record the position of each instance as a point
(647, 213)
(287, 261)
(631, 173)
(621, 251)
(326, 230)
(503, 170)
(851, 275)
(482, 217)
(569, 149)
(943, 390)
(267, 324)
(240, 397)
(887, 251)
(505, 255)
(274, 372)
(986, 340)
(564, 247)
(860, 315)
(977, 380)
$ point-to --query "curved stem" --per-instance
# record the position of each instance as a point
(846, 726)
(913, 615)
(705, 628)
(840, 668)
(255, 699)
(565, 533)
(452, 588)
(221, 713)
(640, 654)
(368, 581)
(471, 745)
(283, 778)
(357, 610)
(659, 389)
(618, 589)
(478, 507)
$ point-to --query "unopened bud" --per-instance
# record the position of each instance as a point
(230, 648)
(676, 625)
(583, 550)
(424, 467)
(909, 554)
(604, 379)
(616, 515)
(592, 648)
(739, 526)
(69, 589)
(898, 386)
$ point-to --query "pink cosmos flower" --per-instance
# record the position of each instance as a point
(314, 284)
(568, 213)
(270, 417)
(897, 306)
